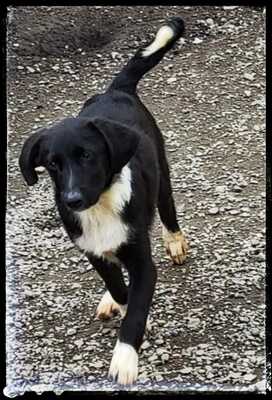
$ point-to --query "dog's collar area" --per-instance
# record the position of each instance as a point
(113, 178)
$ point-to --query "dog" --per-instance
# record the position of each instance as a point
(110, 172)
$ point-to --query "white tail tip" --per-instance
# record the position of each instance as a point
(163, 36)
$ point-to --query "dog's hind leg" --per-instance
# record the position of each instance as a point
(115, 298)
(174, 240)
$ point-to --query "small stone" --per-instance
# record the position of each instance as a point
(146, 345)
(171, 80)
(77, 357)
(235, 375)
(165, 357)
(71, 331)
(79, 342)
(39, 334)
(193, 323)
(220, 189)
(260, 257)
(153, 357)
(234, 212)
(249, 77)
(98, 364)
(249, 377)
(213, 210)
(160, 351)
(186, 370)
(197, 41)
(30, 69)
(210, 21)
(114, 54)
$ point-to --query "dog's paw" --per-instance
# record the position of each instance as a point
(124, 364)
(108, 307)
(176, 245)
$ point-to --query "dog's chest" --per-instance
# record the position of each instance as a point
(102, 232)
(103, 228)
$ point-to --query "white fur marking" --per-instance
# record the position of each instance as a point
(124, 364)
(164, 34)
(103, 228)
(108, 305)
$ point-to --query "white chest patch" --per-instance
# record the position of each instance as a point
(103, 228)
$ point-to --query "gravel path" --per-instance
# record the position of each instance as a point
(208, 96)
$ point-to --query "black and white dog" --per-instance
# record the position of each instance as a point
(109, 170)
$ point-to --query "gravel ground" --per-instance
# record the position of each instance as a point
(208, 96)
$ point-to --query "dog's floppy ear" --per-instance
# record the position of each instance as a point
(122, 141)
(30, 156)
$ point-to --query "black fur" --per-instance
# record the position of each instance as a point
(84, 156)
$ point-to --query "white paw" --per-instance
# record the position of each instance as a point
(124, 364)
(176, 245)
(108, 307)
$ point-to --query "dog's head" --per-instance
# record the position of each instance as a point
(81, 155)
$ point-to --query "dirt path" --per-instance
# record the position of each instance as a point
(208, 98)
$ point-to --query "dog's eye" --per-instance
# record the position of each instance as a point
(86, 155)
(52, 165)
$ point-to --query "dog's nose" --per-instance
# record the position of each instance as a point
(73, 200)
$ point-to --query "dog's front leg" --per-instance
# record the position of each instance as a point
(115, 298)
(142, 274)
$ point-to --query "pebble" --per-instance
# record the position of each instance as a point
(160, 351)
(213, 210)
(234, 212)
(186, 370)
(171, 80)
(197, 41)
(30, 69)
(249, 377)
(71, 331)
(153, 357)
(79, 342)
(98, 364)
(210, 21)
(193, 323)
(145, 345)
(165, 357)
(249, 77)
(159, 341)
(220, 189)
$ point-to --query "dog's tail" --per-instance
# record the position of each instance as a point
(147, 58)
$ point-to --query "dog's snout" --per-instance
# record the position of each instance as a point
(73, 200)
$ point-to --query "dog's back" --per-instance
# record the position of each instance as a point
(121, 102)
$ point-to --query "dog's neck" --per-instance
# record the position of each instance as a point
(103, 229)
(116, 195)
